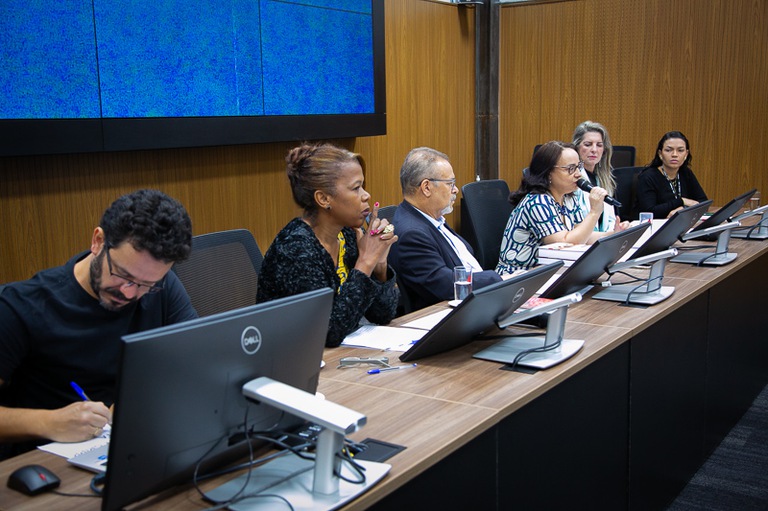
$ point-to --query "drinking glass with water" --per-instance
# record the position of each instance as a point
(462, 282)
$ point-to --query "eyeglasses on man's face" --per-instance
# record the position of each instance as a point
(140, 288)
(451, 182)
(572, 168)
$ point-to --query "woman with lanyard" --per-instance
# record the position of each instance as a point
(338, 242)
(668, 184)
(595, 150)
(546, 210)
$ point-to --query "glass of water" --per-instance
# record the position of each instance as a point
(462, 282)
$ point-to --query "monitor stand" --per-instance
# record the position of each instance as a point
(553, 348)
(294, 482)
(290, 477)
(719, 257)
(759, 231)
(649, 293)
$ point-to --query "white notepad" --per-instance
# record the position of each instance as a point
(89, 454)
(94, 460)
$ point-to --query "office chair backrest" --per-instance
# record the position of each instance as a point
(388, 212)
(222, 271)
(623, 156)
(484, 215)
(626, 191)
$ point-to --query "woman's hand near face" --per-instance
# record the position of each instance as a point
(373, 245)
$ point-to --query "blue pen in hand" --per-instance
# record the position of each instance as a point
(80, 392)
(377, 371)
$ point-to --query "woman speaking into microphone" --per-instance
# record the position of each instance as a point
(545, 209)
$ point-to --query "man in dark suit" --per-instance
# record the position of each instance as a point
(427, 249)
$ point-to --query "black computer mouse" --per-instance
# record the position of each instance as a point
(33, 480)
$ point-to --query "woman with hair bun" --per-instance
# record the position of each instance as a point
(330, 245)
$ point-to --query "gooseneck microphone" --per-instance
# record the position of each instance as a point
(587, 186)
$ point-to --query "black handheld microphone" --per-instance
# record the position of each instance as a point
(587, 186)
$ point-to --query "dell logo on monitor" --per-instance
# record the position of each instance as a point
(518, 295)
(251, 340)
(624, 247)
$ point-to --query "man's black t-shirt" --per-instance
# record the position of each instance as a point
(52, 332)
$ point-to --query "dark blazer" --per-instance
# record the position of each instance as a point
(424, 260)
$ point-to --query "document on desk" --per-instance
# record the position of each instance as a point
(89, 454)
(383, 337)
(72, 449)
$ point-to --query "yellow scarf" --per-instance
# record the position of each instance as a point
(341, 267)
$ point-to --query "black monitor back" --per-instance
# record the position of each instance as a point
(480, 311)
(725, 213)
(595, 261)
(179, 396)
(670, 232)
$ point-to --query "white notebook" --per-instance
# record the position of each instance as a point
(89, 454)
(94, 459)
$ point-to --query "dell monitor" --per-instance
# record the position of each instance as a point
(179, 400)
(595, 261)
(670, 232)
(724, 213)
(480, 311)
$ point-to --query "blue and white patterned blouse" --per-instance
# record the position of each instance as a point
(537, 216)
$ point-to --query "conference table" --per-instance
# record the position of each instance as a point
(623, 424)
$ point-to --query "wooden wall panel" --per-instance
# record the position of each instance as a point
(49, 205)
(641, 68)
(430, 94)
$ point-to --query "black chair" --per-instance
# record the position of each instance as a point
(388, 212)
(222, 271)
(626, 191)
(485, 210)
(623, 156)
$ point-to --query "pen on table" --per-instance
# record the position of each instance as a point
(80, 392)
(377, 371)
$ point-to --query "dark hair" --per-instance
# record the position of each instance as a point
(150, 221)
(656, 162)
(312, 167)
(536, 179)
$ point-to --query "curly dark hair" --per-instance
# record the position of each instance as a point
(150, 221)
(536, 180)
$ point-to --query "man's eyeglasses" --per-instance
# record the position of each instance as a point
(150, 289)
(451, 182)
(572, 168)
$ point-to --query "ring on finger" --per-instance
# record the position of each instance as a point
(389, 228)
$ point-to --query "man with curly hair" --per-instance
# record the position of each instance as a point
(64, 324)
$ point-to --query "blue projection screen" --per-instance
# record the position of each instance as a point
(102, 75)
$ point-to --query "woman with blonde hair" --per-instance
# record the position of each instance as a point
(595, 149)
